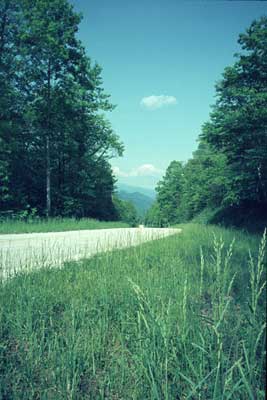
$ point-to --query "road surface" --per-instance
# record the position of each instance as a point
(34, 250)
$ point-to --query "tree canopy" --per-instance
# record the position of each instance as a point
(229, 168)
(55, 143)
(238, 122)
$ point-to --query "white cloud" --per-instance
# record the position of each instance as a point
(155, 102)
(118, 172)
(142, 170)
(146, 170)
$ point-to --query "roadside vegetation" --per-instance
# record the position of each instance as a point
(55, 142)
(56, 225)
(226, 178)
(178, 318)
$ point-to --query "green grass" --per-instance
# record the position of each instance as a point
(178, 318)
(56, 225)
(248, 217)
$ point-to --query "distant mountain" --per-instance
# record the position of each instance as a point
(136, 189)
(141, 202)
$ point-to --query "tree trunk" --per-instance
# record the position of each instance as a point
(48, 178)
(2, 30)
(48, 161)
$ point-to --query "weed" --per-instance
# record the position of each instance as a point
(164, 320)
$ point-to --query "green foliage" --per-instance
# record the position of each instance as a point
(28, 223)
(140, 201)
(181, 317)
(188, 189)
(228, 172)
(206, 181)
(125, 211)
(167, 208)
(154, 216)
(238, 125)
(55, 144)
(249, 216)
(170, 192)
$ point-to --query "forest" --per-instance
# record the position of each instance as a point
(226, 179)
(93, 304)
(56, 141)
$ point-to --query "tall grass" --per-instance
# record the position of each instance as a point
(56, 225)
(178, 318)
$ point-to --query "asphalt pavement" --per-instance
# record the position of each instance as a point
(34, 250)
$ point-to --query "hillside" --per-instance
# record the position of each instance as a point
(123, 187)
(141, 202)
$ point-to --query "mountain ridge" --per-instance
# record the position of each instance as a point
(149, 192)
(140, 201)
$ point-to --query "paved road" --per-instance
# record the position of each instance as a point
(33, 250)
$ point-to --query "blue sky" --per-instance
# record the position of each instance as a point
(172, 50)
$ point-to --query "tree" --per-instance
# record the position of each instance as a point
(125, 211)
(206, 181)
(55, 143)
(238, 125)
(189, 188)
(228, 172)
(11, 100)
(154, 216)
(54, 55)
(170, 191)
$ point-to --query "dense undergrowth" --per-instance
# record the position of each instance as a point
(246, 217)
(56, 225)
(177, 318)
